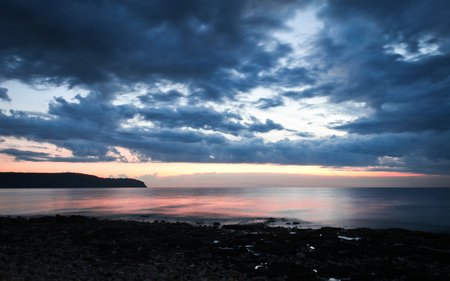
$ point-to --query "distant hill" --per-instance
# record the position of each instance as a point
(55, 180)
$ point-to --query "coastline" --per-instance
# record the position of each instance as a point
(63, 180)
(83, 248)
(79, 187)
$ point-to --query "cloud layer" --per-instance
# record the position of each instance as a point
(192, 66)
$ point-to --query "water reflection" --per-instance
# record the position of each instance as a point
(340, 207)
(416, 208)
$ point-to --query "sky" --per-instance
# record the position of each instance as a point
(228, 93)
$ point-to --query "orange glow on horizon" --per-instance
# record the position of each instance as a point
(132, 170)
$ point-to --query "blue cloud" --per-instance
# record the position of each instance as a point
(4, 94)
(191, 64)
(264, 103)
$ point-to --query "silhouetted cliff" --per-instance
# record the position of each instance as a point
(55, 180)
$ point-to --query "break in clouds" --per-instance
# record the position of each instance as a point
(178, 81)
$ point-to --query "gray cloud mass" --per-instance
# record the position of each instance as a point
(393, 57)
(4, 94)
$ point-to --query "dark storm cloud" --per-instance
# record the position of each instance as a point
(170, 97)
(4, 94)
(288, 77)
(90, 140)
(187, 136)
(305, 134)
(92, 112)
(264, 103)
(82, 148)
(88, 118)
(192, 116)
(104, 46)
(20, 124)
(23, 155)
(98, 121)
(254, 151)
(91, 42)
(392, 57)
(316, 91)
(358, 41)
(409, 17)
(205, 118)
(395, 58)
(416, 118)
(396, 152)
(259, 127)
(91, 130)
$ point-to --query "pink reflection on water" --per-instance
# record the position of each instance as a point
(313, 205)
(205, 206)
(419, 209)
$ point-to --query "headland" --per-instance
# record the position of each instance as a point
(62, 180)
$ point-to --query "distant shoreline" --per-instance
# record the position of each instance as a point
(76, 187)
(63, 180)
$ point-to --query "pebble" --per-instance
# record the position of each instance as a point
(81, 248)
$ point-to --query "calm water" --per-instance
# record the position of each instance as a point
(426, 209)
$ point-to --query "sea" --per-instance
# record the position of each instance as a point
(422, 209)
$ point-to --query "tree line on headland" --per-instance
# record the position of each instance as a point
(62, 180)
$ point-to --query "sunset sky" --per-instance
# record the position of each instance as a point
(228, 93)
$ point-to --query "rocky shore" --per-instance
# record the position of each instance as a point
(82, 248)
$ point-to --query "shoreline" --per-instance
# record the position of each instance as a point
(285, 222)
(271, 222)
(83, 248)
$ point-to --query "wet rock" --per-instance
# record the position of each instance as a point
(249, 226)
(80, 248)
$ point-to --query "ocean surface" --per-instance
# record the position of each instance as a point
(425, 209)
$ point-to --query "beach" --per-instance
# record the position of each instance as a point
(87, 248)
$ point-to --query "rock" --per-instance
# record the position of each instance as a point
(179, 251)
(250, 226)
